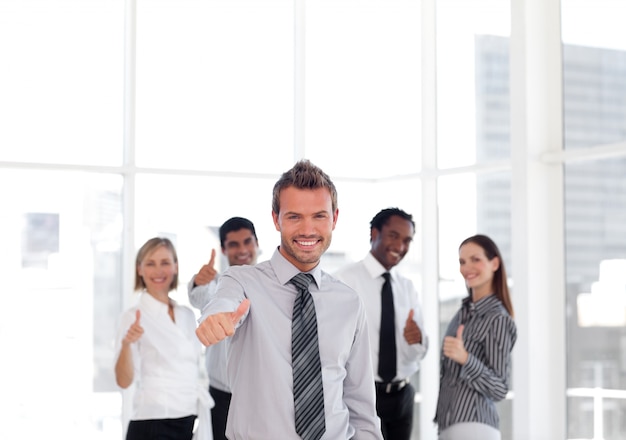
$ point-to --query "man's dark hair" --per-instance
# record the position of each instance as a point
(235, 224)
(383, 217)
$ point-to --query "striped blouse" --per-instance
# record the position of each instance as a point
(467, 393)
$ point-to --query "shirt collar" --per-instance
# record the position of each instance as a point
(153, 306)
(483, 305)
(285, 271)
(374, 268)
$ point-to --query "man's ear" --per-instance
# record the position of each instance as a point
(275, 218)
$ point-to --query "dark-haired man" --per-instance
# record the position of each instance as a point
(240, 245)
(391, 303)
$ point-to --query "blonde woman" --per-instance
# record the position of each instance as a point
(159, 352)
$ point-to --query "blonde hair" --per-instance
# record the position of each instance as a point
(147, 249)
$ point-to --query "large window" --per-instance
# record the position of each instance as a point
(594, 95)
(183, 113)
(122, 120)
(595, 229)
(62, 84)
(363, 86)
(594, 74)
(215, 85)
(472, 81)
(61, 266)
(473, 129)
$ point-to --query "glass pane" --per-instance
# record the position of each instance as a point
(472, 81)
(61, 261)
(62, 81)
(352, 234)
(363, 86)
(470, 204)
(614, 417)
(197, 207)
(580, 418)
(215, 84)
(594, 72)
(595, 240)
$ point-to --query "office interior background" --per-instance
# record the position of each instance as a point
(122, 120)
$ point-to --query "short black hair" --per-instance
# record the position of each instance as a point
(383, 216)
(235, 224)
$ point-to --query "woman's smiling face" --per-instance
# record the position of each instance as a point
(158, 270)
(477, 269)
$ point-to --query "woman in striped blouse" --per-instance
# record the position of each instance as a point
(476, 352)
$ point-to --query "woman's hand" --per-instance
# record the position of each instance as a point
(134, 331)
(453, 347)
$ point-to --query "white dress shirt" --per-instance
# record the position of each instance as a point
(259, 362)
(166, 361)
(366, 278)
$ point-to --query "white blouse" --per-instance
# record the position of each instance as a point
(166, 359)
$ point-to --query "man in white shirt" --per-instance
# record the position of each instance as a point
(391, 234)
(240, 245)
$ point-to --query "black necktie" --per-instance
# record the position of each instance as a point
(387, 347)
(308, 392)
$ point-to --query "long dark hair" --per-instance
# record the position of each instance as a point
(500, 286)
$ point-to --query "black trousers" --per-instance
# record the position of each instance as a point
(396, 413)
(219, 413)
(161, 429)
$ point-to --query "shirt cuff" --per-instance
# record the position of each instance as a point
(472, 368)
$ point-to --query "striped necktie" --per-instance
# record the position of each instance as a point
(308, 392)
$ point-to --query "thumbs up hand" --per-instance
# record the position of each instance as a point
(134, 331)
(207, 272)
(412, 332)
(453, 347)
(221, 325)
